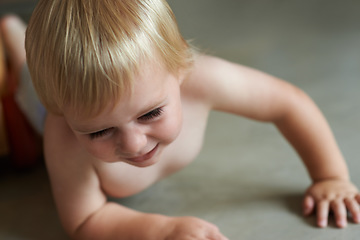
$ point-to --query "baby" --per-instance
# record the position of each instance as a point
(128, 100)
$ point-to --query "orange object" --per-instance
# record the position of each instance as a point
(2, 67)
(18, 140)
(4, 150)
(23, 142)
(25, 145)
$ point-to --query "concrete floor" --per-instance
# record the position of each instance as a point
(247, 179)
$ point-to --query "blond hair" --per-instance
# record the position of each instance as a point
(83, 54)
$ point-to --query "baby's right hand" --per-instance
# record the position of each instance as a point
(191, 228)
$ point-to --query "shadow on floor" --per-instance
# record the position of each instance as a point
(27, 207)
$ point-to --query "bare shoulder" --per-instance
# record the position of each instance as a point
(211, 76)
(200, 76)
(66, 160)
(59, 140)
(238, 89)
(73, 178)
(57, 133)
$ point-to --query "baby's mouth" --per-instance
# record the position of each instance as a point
(144, 157)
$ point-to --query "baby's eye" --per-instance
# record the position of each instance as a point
(152, 114)
(100, 134)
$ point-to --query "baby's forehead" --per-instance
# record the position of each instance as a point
(151, 68)
(150, 79)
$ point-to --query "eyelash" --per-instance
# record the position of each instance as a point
(148, 116)
(100, 133)
(152, 114)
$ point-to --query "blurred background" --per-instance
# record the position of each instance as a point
(247, 180)
(21, 7)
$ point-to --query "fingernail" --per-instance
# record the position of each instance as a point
(323, 223)
(342, 223)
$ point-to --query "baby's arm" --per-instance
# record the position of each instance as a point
(307, 130)
(250, 93)
(83, 207)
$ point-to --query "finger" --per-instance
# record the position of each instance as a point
(358, 198)
(222, 237)
(308, 205)
(217, 237)
(339, 209)
(322, 213)
(354, 209)
(214, 233)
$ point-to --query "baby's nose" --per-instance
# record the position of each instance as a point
(132, 141)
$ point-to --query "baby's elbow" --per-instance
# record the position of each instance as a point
(295, 101)
(81, 230)
(85, 231)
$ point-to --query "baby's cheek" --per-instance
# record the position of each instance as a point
(101, 151)
(170, 129)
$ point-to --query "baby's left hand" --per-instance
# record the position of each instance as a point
(336, 195)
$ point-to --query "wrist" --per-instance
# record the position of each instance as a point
(344, 177)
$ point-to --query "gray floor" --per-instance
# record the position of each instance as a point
(247, 180)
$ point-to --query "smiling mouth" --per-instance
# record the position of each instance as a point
(144, 157)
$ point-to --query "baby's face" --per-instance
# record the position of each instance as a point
(140, 125)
